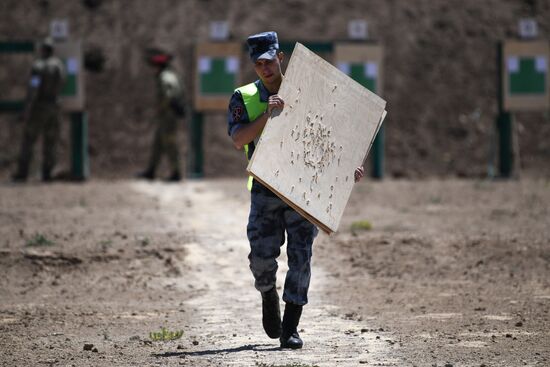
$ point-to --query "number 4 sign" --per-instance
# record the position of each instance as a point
(59, 29)
(357, 29)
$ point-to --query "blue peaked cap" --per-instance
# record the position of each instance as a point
(263, 46)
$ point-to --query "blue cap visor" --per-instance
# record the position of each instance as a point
(268, 55)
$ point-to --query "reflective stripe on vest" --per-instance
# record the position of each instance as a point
(254, 108)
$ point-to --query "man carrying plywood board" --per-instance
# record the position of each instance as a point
(270, 215)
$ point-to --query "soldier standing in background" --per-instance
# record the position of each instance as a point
(169, 110)
(41, 114)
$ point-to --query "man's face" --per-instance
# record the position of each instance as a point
(46, 51)
(269, 70)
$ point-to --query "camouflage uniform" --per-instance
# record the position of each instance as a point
(165, 140)
(42, 118)
(269, 218)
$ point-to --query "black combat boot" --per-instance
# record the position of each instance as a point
(19, 177)
(271, 313)
(290, 337)
(174, 177)
(148, 174)
(47, 175)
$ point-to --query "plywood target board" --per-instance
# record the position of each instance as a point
(525, 76)
(308, 152)
(217, 74)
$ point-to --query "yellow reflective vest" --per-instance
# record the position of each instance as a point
(254, 108)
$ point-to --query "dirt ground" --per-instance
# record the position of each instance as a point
(452, 273)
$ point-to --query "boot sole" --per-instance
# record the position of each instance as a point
(289, 346)
(274, 336)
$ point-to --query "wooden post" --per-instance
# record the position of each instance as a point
(506, 154)
(503, 123)
(196, 153)
(80, 167)
(378, 155)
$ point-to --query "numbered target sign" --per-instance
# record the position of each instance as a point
(59, 29)
(358, 29)
(527, 28)
(525, 77)
(219, 30)
(217, 75)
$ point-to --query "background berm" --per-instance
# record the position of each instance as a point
(452, 268)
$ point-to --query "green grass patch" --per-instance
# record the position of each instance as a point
(105, 243)
(39, 240)
(361, 225)
(165, 335)
(144, 241)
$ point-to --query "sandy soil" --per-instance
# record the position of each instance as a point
(453, 273)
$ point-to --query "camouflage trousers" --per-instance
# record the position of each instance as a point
(165, 141)
(270, 217)
(43, 120)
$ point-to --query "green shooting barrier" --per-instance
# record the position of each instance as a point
(357, 73)
(14, 47)
(217, 80)
(527, 79)
(70, 86)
